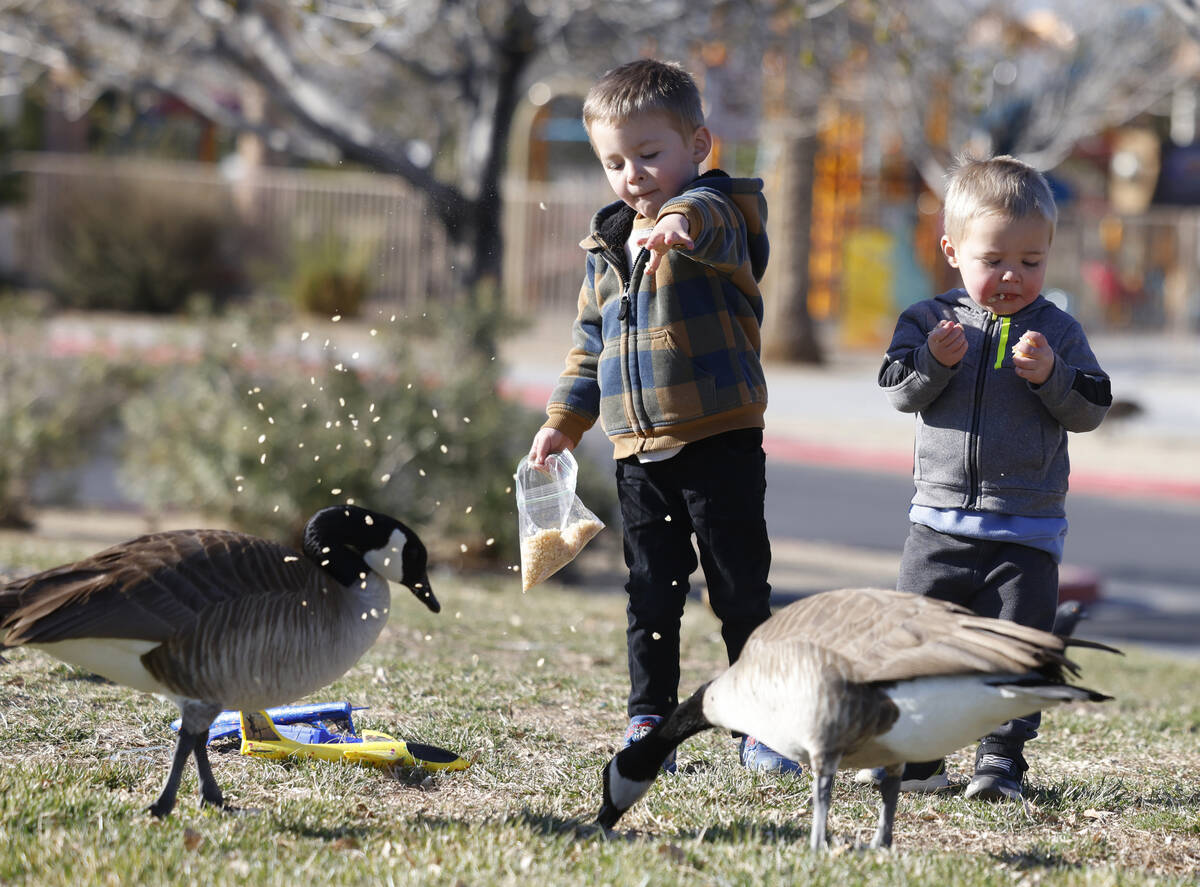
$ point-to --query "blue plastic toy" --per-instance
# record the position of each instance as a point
(314, 722)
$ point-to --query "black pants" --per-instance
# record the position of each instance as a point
(1004, 580)
(714, 488)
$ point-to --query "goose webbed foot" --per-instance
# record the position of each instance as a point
(228, 809)
(160, 809)
(210, 792)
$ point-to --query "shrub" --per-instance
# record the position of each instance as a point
(264, 432)
(52, 408)
(130, 245)
(330, 276)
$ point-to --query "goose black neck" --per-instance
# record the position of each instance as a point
(642, 759)
(336, 537)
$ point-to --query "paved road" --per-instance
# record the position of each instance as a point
(832, 526)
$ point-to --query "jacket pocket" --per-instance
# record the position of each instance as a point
(615, 417)
(673, 388)
(1020, 454)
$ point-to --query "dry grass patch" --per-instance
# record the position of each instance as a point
(532, 686)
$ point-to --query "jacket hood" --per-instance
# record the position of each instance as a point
(612, 224)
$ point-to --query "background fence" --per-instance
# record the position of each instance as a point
(1120, 271)
(410, 257)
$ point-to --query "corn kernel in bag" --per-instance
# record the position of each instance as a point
(554, 524)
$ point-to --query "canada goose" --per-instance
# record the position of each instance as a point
(862, 678)
(213, 619)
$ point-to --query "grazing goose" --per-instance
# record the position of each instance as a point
(213, 619)
(862, 678)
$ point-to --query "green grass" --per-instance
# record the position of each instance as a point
(533, 687)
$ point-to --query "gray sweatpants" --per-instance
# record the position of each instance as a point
(1004, 580)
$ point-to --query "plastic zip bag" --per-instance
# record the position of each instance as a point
(554, 524)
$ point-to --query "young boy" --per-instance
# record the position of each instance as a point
(997, 376)
(666, 356)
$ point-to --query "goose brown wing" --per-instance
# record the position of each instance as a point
(884, 635)
(149, 588)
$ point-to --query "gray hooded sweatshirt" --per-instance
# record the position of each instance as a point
(986, 439)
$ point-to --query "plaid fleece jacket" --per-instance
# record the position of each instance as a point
(670, 358)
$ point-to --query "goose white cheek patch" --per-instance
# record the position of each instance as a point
(387, 560)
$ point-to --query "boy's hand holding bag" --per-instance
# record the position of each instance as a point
(554, 524)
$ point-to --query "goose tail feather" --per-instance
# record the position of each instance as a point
(1091, 645)
(1052, 691)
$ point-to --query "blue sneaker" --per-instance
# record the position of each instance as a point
(759, 756)
(639, 726)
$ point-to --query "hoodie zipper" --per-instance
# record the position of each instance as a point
(974, 440)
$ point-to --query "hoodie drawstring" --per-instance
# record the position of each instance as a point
(1004, 322)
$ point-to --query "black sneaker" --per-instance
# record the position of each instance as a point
(925, 777)
(999, 773)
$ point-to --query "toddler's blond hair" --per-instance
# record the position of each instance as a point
(641, 87)
(1000, 186)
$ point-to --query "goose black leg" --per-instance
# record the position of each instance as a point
(822, 794)
(210, 792)
(193, 734)
(889, 793)
(183, 750)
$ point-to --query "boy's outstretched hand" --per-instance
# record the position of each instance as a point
(1033, 358)
(670, 232)
(546, 442)
(947, 342)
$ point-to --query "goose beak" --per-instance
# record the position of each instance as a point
(424, 594)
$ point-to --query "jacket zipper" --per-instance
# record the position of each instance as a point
(974, 442)
(628, 317)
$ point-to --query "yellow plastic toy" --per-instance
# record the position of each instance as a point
(261, 738)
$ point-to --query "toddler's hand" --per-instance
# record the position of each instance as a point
(1033, 358)
(670, 232)
(546, 442)
(947, 343)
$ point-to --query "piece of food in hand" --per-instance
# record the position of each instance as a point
(1025, 346)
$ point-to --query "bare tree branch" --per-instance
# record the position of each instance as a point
(1002, 83)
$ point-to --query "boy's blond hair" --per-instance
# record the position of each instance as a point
(641, 87)
(999, 186)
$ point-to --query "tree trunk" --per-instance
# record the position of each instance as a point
(789, 333)
(515, 52)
